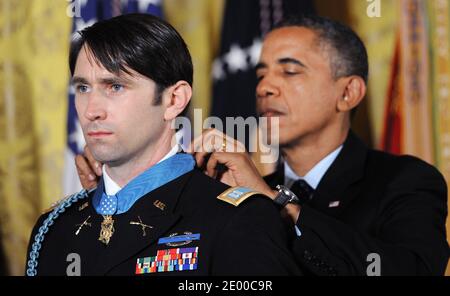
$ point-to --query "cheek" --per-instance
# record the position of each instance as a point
(309, 106)
(300, 102)
(79, 106)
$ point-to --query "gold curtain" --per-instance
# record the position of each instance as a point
(33, 80)
(200, 23)
(439, 12)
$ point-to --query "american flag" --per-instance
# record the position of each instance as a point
(85, 13)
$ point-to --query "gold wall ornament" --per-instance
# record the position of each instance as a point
(107, 230)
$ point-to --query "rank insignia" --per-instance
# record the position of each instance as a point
(175, 240)
(144, 226)
(160, 205)
(81, 225)
(179, 259)
(236, 195)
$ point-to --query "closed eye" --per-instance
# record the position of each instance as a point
(291, 72)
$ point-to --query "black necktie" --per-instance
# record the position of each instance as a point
(303, 191)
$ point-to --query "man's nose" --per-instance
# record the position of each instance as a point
(267, 88)
(95, 109)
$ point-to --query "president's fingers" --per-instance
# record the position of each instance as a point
(94, 164)
(210, 141)
(86, 174)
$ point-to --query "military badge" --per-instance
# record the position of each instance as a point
(144, 226)
(175, 240)
(237, 195)
(81, 225)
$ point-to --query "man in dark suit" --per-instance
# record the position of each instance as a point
(372, 207)
(356, 211)
(152, 212)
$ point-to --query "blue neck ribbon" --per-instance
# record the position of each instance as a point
(153, 178)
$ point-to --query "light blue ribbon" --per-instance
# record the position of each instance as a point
(153, 178)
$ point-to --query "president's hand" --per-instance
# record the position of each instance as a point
(89, 170)
(225, 159)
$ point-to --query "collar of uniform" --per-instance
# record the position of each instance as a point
(314, 176)
(111, 187)
(153, 178)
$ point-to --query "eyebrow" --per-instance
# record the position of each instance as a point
(80, 80)
(106, 80)
(282, 61)
(291, 61)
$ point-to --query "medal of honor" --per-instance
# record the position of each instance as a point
(107, 230)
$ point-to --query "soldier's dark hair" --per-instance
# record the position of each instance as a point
(141, 42)
(346, 51)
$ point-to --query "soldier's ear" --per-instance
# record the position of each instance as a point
(178, 97)
(354, 92)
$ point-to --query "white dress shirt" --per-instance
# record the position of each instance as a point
(111, 187)
(313, 177)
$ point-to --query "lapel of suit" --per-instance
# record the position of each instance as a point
(338, 186)
(129, 239)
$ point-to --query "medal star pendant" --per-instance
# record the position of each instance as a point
(107, 229)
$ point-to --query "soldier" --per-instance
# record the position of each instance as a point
(152, 212)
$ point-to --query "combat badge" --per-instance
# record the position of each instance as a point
(175, 240)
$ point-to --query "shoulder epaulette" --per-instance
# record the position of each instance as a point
(55, 204)
(236, 195)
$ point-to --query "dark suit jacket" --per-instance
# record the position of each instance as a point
(394, 206)
(248, 240)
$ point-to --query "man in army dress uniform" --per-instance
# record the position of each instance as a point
(152, 213)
